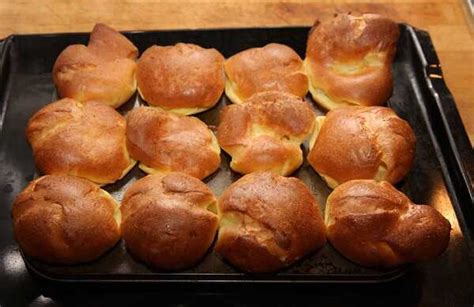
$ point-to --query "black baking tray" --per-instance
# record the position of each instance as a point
(441, 174)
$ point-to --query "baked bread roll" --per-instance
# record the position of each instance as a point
(373, 224)
(361, 143)
(267, 222)
(266, 132)
(103, 71)
(169, 221)
(183, 78)
(349, 58)
(164, 142)
(65, 220)
(274, 67)
(81, 139)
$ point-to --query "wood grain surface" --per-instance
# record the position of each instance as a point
(447, 21)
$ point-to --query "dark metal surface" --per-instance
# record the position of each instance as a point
(442, 165)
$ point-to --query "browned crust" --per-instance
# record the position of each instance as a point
(109, 44)
(266, 132)
(168, 142)
(181, 76)
(354, 142)
(375, 225)
(165, 221)
(85, 140)
(104, 70)
(64, 219)
(267, 222)
(274, 67)
(347, 40)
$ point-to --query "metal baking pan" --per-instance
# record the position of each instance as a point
(442, 164)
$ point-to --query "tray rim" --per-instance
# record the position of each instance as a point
(261, 27)
(383, 277)
(457, 168)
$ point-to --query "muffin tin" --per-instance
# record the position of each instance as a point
(443, 153)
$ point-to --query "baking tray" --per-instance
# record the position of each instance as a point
(442, 164)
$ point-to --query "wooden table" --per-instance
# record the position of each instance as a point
(448, 22)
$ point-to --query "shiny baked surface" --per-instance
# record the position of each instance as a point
(273, 67)
(183, 79)
(169, 221)
(267, 222)
(362, 143)
(374, 224)
(164, 142)
(104, 70)
(65, 219)
(266, 132)
(81, 139)
(348, 60)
